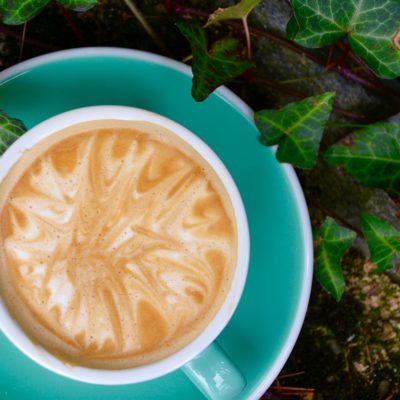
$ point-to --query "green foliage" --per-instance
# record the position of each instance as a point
(297, 127)
(331, 244)
(383, 241)
(78, 5)
(238, 11)
(215, 67)
(371, 155)
(15, 12)
(371, 27)
(292, 28)
(10, 131)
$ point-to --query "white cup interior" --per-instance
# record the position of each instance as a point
(146, 372)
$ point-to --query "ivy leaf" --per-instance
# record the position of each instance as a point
(372, 28)
(238, 11)
(371, 155)
(78, 5)
(297, 127)
(10, 131)
(215, 67)
(292, 28)
(15, 12)
(332, 242)
(383, 241)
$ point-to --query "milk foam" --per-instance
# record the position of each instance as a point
(118, 243)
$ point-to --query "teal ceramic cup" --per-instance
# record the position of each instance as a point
(202, 360)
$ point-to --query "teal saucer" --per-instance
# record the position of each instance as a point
(264, 328)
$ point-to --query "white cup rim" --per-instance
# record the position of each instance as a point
(146, 372)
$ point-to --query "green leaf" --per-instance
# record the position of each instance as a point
(383, 241)
(78, 5)
(371, 155)
(215, 67)
(15, 12)
(292, 28)
(10, 131)
(238, 11)
(297, 127)
(372, 27)
(332, 242)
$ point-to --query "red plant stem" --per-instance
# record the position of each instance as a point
(330, 53)
(23, 37)
(357, 60)
(295, 93)
(348, 73)
(344, 56)
(342, 59)
(342, 70)
(9, 32)
(248, 39)
(168, 4)
(78, 34)
(179, 9)
(368, 72)
(348, 114)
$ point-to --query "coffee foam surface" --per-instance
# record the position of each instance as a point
(118, 243)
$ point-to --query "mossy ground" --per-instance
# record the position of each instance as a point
(350, 350)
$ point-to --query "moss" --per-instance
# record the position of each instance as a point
(350, 350)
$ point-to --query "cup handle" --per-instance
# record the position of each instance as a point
(215, 374)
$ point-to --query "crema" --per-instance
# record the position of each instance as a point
(118, 243)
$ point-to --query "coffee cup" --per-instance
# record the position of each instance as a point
(185, 309)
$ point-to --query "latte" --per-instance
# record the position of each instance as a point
(118, 243)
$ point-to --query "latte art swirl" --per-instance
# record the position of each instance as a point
(117, 245)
